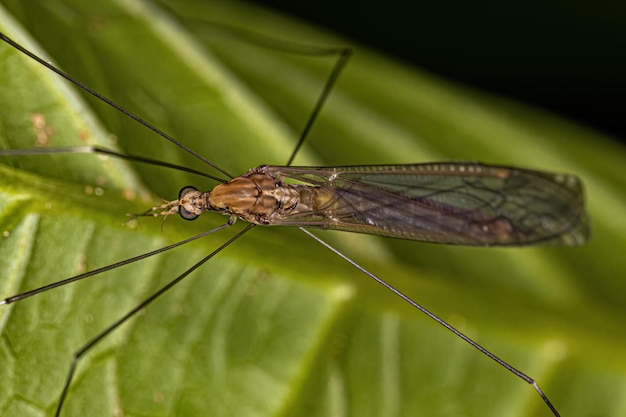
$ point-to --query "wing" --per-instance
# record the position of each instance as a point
(453, 203)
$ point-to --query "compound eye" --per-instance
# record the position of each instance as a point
(187, 190)
(184, 213)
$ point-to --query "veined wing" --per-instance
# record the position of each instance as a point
(454, 203)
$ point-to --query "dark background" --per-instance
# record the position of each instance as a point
(568, 57)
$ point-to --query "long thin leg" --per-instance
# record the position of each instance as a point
(103, 151)
(88, 274)
(295, 48)
(434, 317)
(76, 357)
(110, 102)
(330, 82)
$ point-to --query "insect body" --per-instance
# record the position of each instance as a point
(453, 203)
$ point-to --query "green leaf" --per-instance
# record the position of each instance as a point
(277, 325)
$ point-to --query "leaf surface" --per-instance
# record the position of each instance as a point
(277, 325)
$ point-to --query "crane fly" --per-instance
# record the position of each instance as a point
(446, 202)
(452, 203)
